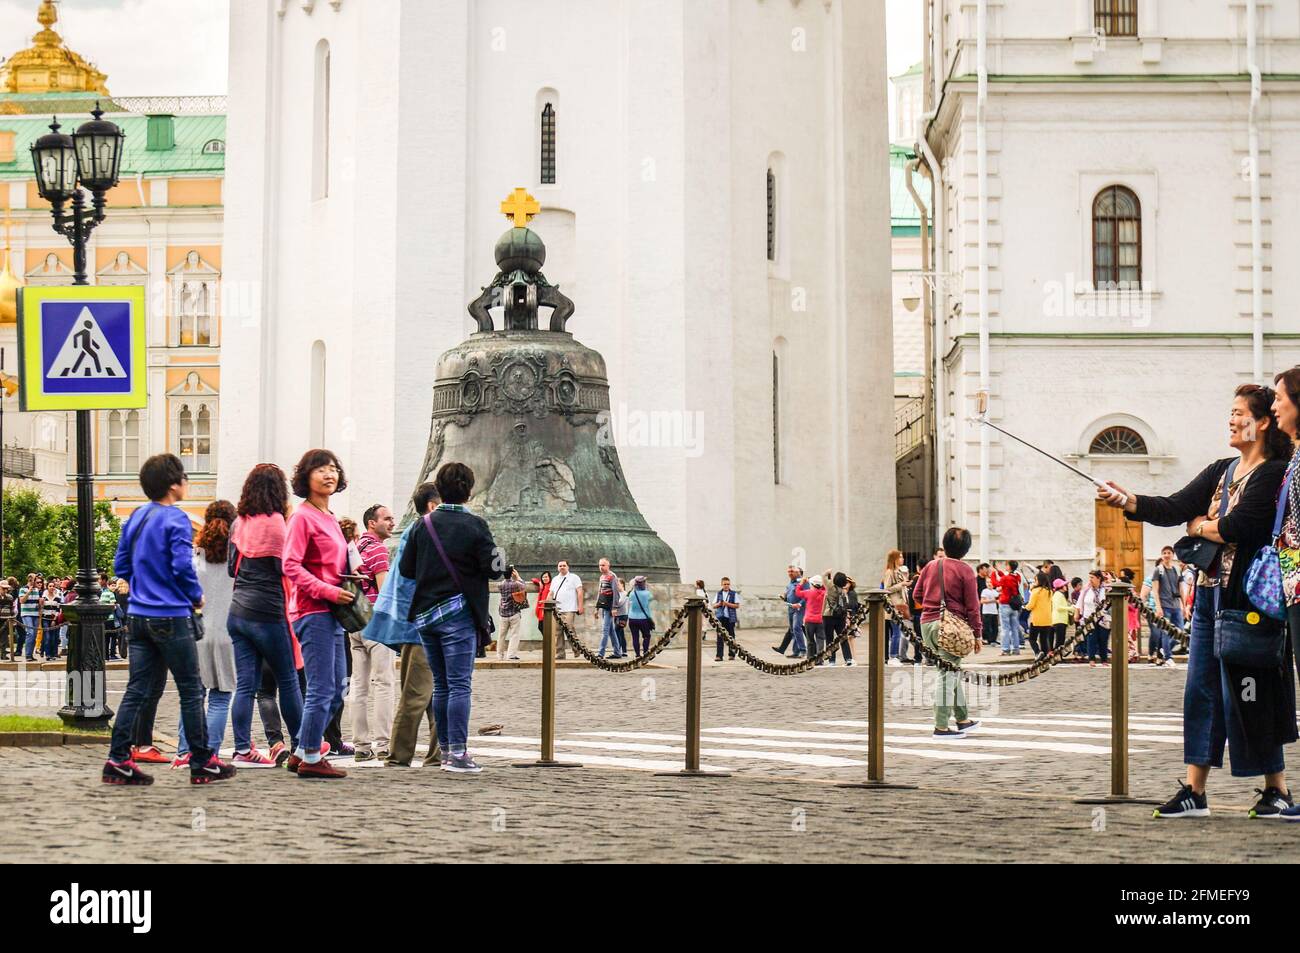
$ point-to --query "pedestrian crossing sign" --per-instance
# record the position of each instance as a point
(81, 347)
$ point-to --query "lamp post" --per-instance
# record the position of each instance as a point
(66, 167)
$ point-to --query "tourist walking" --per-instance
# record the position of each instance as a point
(894, 580)
(390, 624)
(314, 560)
(543, 584)
(725, 605)
(1010, 602)
(1232, 503)
(374, 678)
(1040, 615)
(813, 593)
(566, 590)
(268, 658)
(1062, 612)
(1166, 586)
(1092, 598)
(988, 603)
(794, 610)
(514, 600)
(451, 563)
(216, 651)
(835, 613)
(640, 617)
(606, 598)
(947, 585)
(165, 594)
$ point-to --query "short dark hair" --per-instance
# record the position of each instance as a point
(840, 580)
(1077, 581)
(455, 482)
(370, 514)
(981, 566)
(1166, 549)
(160, 473)
(1043, 580)
(425, 494)
(956, 543)
(1013, 564)
(726, 579)
(312, 459)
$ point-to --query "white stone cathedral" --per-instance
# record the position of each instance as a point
(713, 177)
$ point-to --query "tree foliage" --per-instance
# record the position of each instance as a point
(42, 537)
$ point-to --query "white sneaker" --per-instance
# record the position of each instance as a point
(892, 661)
(850, 663)
(831, 663)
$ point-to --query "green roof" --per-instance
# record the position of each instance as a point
(903, 216)
(187, 157)
(910, 71)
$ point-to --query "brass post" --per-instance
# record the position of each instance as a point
(550, 625)
(694, 671)
(875, 694)
(1117, 595)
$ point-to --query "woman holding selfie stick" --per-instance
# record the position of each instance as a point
(1232, 502)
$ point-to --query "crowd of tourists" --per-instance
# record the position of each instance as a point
(282, 608)
(33, 626)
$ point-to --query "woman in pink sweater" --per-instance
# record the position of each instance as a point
(813, 593)
(315, 557)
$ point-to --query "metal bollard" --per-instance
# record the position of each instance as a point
(1118, 594)
(876, 696)
(549, 627)
(694, 692)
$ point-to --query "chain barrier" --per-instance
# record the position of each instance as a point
(1160, 622)
(772, 668)
(670, 633)
(1019, 676)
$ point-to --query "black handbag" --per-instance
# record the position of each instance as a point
(354, 616)
(1245, 637)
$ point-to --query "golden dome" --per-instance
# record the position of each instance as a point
(48, 66)
(9, 285)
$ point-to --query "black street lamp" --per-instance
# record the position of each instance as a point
(65, 166)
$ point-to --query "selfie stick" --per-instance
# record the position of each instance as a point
(1073, 469)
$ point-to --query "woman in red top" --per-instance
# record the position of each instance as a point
(813, 593)
(315, 558)
(953, 581)
(543, 590)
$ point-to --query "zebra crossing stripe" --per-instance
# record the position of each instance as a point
(970, 741)
(995, 720)
(820, 745)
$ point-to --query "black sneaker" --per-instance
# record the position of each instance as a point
(124, 772)
(965, 727)
(460, 764)
(1186, 803)
(1271, 803)
(948, 733)
(214, 770)
(777, 650)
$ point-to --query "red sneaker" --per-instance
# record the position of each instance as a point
(124, 773)
(293, 764)
(253, 759)
(149, 755)
(321, 769)
(182, 762)
(279, 753)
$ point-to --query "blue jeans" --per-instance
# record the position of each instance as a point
(796, 629)
(1009, 625)
(1099, 643)
(1163, 642)
(325, 662)
(449, 645)
(895, 639)
(257, 642)
(1208, 716)
(157, 645)
(218, 703)
(29, 624)
(608, 632)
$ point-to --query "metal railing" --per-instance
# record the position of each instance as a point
(909, 426)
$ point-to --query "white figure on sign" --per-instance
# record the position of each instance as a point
(86, 352)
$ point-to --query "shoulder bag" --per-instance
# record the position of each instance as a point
(1245, 637)
(1264, 577)
(956, 637)
(354, 616)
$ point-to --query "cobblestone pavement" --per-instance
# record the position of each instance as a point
(1003, 794)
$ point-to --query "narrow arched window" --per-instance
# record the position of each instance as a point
(124, 441)
(771, 215)
(185, 433)
(1115, 17)
(776, 418)
(320, 138)
(1118, 440)
(548, 144)
(203, 441)
(1116, 239)
(316, 395)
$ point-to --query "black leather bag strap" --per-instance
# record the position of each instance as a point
(451, 571)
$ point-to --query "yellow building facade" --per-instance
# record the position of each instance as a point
(163, 231)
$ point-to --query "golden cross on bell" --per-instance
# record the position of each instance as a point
(520, 206)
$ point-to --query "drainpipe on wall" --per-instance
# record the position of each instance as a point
(981, 164)
(938, 325)
(1256, 225)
